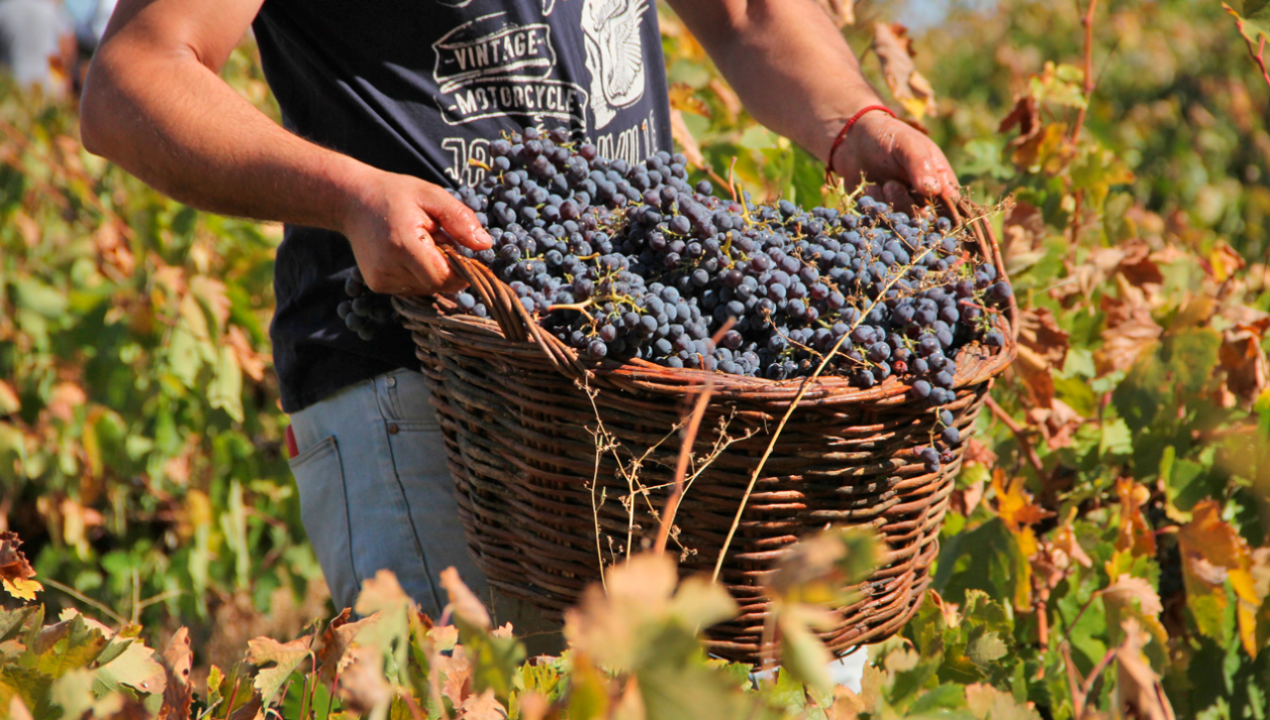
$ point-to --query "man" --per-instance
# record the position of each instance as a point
(386, 101)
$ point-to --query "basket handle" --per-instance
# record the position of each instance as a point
(512, 317)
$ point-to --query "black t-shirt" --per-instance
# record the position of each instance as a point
(421, 87)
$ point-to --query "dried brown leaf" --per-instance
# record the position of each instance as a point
(1138, 687)
(1036, 374)
(251, 362)
(1136, 534)
(1039, 332)
(362, 684)
(1130, 330)
(1244, 360)
(684, 97)
(463, 602)
(177, 659)
(965, 500)
(980, 454)
(1127, 588)
(1139, 264)
(457, 671)
(895, 51)
(482, 707)
(1026, 116)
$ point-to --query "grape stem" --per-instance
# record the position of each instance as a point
(580, 307)
(685, 451)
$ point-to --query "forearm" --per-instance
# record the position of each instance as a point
(786, 61)
(169, 120)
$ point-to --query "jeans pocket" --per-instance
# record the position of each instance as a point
(410, 400)
(319, 475)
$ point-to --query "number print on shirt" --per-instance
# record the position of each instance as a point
(466, 154)
(493, 67)
(614, 55)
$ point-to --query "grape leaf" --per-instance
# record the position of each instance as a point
(135, 667)
(178, 693)
(276, 661)
(1254, 17)
(464, 605)
(895, 52)
(1213, 553)
(15, 571)
(803, 654)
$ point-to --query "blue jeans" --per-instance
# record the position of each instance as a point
(375, 492)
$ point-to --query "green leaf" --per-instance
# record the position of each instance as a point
(1192, 358)
(985, 649)
(226, 389)
(12, 621)
(986, 558)
(1255, 15)
(73, 693)
(494, 659)
(67, 645)
(1116, 438)
(588, 693)
(1184, 483)
(943, 697)
(32, 295)
(803, 655)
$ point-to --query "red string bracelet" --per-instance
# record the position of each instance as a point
(842, 135)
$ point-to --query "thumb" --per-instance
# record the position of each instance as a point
(450, 217)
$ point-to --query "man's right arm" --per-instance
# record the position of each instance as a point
(153, 103)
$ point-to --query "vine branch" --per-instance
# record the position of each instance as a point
(1259, 55)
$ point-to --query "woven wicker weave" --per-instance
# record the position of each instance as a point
(540, 510)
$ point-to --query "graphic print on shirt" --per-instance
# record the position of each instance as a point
(493, 67)
(614, 55)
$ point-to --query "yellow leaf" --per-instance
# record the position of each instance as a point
(15, 571)
(1015, 506)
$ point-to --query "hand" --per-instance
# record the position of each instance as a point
(898, 160)
(394, 223)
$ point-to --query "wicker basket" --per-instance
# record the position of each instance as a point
(541, 512)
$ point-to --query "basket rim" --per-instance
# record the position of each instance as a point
(975, 364)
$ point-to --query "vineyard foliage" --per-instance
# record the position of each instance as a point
(1108, 549)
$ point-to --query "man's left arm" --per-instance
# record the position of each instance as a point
(796, 75)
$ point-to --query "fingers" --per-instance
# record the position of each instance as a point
(920, 162)
(449, 217)
(897, 196)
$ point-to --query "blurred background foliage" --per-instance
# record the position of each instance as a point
(1122, 475)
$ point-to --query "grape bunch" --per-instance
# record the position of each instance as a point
(631, 261)
(364, 311)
